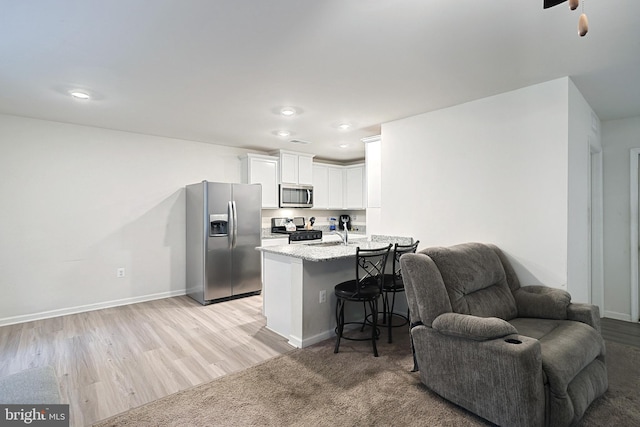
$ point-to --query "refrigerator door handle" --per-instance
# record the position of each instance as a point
(234, 226)
(231, 223)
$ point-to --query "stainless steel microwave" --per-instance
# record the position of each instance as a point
(296, 196)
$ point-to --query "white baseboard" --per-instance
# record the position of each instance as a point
(300, 343)
(89, 307)
(317, 338)
(618, 316)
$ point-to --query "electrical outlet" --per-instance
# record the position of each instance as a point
(323, 297)
(120, 272)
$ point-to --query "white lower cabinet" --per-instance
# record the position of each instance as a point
(270, 242)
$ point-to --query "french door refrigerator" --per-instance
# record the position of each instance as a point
(223, 230)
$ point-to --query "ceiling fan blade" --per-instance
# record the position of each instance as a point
(550, 3)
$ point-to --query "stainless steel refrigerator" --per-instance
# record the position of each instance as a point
(223, 230)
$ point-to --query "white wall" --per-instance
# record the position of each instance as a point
(492, 170)
(583, 137)
(79, 202)
(618, 137)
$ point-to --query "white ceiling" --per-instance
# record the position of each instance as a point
(214, 70)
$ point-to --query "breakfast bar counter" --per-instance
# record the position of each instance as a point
(298, 285)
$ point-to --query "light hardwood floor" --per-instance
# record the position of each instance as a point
(108, 361)
(111, 360)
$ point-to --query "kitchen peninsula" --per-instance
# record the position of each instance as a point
(298, 285)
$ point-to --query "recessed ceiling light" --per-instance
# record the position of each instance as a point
(343, 145)
(344, 126)
(79, 95)
(283, 133)
(288, 111)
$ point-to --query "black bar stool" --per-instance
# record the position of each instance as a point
(392, 285)
(366, 288)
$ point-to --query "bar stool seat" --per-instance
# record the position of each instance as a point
(351, 291)
(366, 289)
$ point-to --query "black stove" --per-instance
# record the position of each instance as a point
(278, 225)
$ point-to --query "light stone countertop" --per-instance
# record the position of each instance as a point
(267, 234)
(328, 251)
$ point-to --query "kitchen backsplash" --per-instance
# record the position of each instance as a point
(358, 217)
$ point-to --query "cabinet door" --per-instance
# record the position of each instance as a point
(258, 169)
(265, 172)
(354, 188)
(336, 191)
(289, 168)
(270, 242)
(305, 170)
(320, 186)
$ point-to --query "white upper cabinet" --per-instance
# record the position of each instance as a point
(289, 168)
(259, 169)
(295, 168)
(354, 187)
(305, 170)
(320, 186)
(338, 187)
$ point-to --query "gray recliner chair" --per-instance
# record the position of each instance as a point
(516, 356)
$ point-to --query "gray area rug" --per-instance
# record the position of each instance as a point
(37, 385)
(315, 387)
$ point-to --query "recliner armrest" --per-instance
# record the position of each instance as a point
(585, 313)
(501, 379)
(472, 327)
(542, 302)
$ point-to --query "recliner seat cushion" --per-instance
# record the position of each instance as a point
(534, 328)
(475, 279)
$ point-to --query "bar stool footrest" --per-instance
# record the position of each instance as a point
(366, 335)
(405, 320)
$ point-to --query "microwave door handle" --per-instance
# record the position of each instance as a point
(308, 197)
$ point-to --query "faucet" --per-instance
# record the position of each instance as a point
(345, 238)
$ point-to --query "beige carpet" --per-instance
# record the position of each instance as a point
(315, 387)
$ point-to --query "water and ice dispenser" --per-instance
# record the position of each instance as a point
(219, 225)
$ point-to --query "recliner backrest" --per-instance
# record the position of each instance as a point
(426, 294)
(475, 280)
